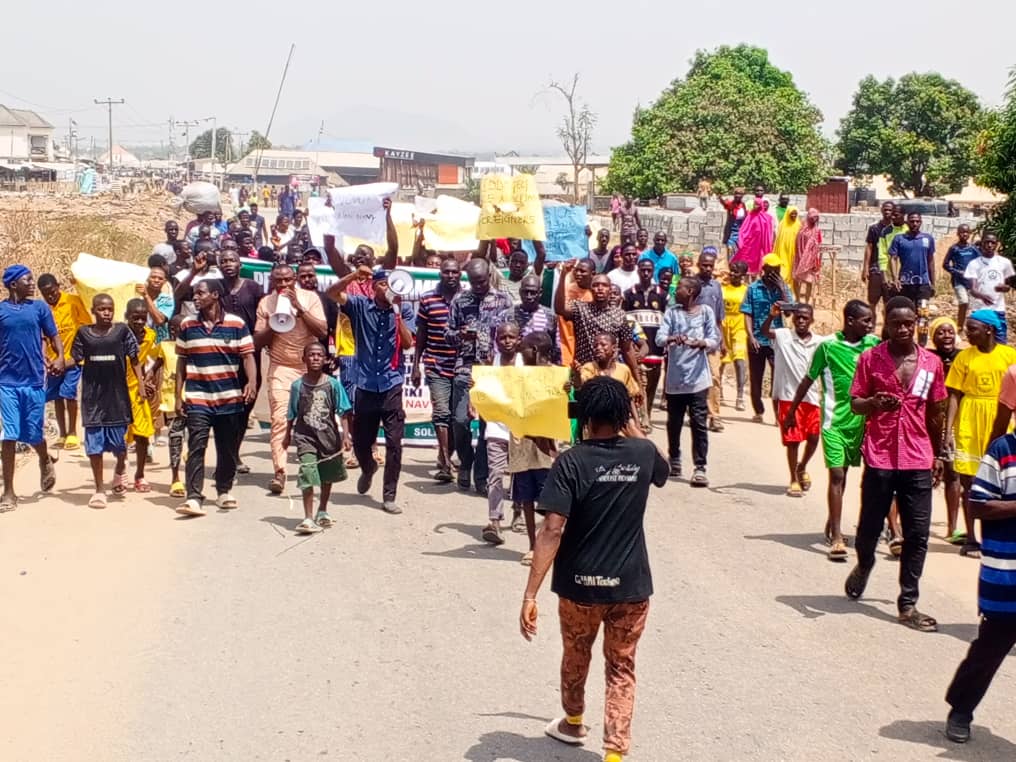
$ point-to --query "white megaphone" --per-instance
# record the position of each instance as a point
(282, 320)
(400, 283)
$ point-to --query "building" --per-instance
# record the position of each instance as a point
(24, 136)
(555, 175)
(279, 165)
(121, 158)
(416, 171)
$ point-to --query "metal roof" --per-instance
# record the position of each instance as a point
(18, 117)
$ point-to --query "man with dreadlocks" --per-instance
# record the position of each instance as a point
(595, 500)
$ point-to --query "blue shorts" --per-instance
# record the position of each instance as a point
(100, 439)
(63, 387)
(527, 485)
(22, 413)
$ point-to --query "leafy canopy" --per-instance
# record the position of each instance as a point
(919, 131)
(735, 118)
(996, 153)
(201, 147)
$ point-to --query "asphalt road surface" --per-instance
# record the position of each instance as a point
(135, 634)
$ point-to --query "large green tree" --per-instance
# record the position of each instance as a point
(734, 118)
(919, 131)
(996, 152)
(225, 151)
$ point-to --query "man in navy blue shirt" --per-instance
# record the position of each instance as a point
(912, 261)
(960, 254)
(383, 328)
(23, 323)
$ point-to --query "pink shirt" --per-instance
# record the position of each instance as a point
(898, 439)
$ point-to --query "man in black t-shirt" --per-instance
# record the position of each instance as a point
(871, 269)
(595, 500)
(646, 302)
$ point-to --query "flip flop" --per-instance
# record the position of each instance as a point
(838, 551)
(141, 485)
(352, 462)
(71, 443)
(492, 535)
(178, 490)
(794, 490)
(98, 501)
(958, 537)
(8, 505)
(554, 731)
(896, 546)
(915, 620)
(527, 559)
(120, 484)
(805, 479)
(47, 475)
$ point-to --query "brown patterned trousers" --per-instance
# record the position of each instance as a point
(623, 624)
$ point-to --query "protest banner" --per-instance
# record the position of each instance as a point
(358, 210)
(451, 225)
(95, 275)
(510, 208)
(320, 220)
(529, 400)
(402, 218)
(566, 233)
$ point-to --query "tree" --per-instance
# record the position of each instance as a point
(919, 131)
(735, 118)
(576, 130)
(257, 142)
(225, 151)
(996, 153)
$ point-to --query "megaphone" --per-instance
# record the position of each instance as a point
(282, 320)
(400, 282)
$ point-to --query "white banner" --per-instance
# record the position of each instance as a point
(358, 210)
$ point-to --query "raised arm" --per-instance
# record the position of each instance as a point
(335, 259)
(391, 258)
(767, 326)
(560, 306)
(419, 256)
(337, 290)
(541, 257)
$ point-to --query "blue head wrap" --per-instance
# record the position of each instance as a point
(379, 275)
(14, 273)
(992, 319)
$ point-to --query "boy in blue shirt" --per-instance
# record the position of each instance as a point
(960, 254)
(912, 261)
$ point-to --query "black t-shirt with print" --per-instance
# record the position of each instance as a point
(601, 486)
(104, 397)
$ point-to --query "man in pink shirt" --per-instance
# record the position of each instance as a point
(900, 387)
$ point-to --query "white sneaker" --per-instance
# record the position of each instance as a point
(226, 502)
(191, 508)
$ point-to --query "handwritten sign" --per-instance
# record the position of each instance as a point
(358, 210)
(510, 208)
(566, 233)
(529, 400)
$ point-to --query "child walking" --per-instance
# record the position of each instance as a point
(530, 458)
(316, 400)
(109, 352)
(142, 429)
(605, 364)
(506, 340)
(735, 336)
(164, 355)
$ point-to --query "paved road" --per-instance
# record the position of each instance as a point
(133, 634)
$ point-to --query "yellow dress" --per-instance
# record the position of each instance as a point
(979, 376)
(785, 246)
(735, 337)
(143, 425)
(166, 351)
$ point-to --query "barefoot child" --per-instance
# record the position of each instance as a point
(143, 427)
(530, 458)
(109, 352)
(605, 364)
(315, 401)
(164, 355)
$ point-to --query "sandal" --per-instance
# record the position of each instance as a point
(443, 475)
(120, 484)
(98, 500)
(971, 549)
(178, 490)
(838, 551)
(527, 559)
(554, 731)
(379, 458)
(278, 483)
(794, 490)
(492, 534)
(47, 475)
(896, 546)
(804, 478)
(71, 443)
(958, 537)
(307, 526)
(518, 522)
(141, 485)
(8, 505)
(915, 620)
(857, 580)
(352, 462)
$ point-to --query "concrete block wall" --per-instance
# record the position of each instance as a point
(695, 229)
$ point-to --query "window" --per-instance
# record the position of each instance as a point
(270, 163)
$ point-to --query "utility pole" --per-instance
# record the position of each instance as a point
(213, 150)
(172, 143)
(109, 103)
(186, 139)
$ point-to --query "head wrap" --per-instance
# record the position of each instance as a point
(14, 273)
(991, 319)
(379, 275)
(771, 260)
(939, 322)
(709, 250)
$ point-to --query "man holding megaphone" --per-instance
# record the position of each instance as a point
(288, 319)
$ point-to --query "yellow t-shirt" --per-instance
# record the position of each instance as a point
(620, 373)
(733, 296)
(69, 314)
(979, 374)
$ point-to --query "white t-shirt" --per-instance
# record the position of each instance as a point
(791, 360)
(984, 273)
(623, 279)
(497, 430)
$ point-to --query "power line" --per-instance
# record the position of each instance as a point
(109, 103)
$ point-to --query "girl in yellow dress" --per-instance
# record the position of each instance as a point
(735, 337)
(786, 242)
(143, 427)
(974, 382)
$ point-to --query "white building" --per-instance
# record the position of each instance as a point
(24, 136)
(555, 175)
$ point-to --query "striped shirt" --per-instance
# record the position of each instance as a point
(431, 320)
(996, 480)
(214, 358)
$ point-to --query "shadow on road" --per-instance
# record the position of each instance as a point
(512, 746)
(984, 745)
(809, 541)
(481, 550)
(765, 489)
(814, 606)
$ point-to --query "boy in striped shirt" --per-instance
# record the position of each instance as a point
(210, 347)
(993, 501)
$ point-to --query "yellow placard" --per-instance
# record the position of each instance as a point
(529, 400)
(95, 275)
(510, 208)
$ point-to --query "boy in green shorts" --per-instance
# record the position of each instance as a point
(835, 361)
(315, 401)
